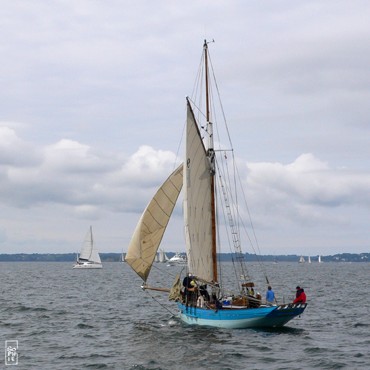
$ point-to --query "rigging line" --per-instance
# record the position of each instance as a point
(219, 99)
(198, 77)
(253, 230)
(230, 141)
(236, 170)
(162, 305)
(198, 84)
(165, 272)
(226, 228)
(232, 230)
(233, 208)
(198, 109)
(179, 146)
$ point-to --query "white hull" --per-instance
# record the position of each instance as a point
(173, 263)
(88, 265)
(177, 259)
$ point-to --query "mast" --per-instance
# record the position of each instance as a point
(211, 158)
(91, 242)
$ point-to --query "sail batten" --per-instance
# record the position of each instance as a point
(153, 222)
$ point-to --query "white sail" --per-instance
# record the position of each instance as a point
(89, 255)
(152, 225)
(162, 256)
(309, 259)
(86, 249)
(94, 257)
(197, 203)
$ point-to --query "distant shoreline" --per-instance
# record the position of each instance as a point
(116, 257)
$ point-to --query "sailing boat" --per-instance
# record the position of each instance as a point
(89, 257)
(309, 259)
(319, 259)
(302, 260)
(202, 298)
(162, 256)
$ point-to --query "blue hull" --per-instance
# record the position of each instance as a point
(239, 318)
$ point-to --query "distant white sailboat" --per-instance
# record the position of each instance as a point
(89, 257)
(319, 259)
(302, 260)
(309, 259)
(163, 256)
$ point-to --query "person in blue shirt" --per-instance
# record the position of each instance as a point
(270, 296)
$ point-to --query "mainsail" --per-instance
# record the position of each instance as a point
(152, 225)
(89, 251)
(197, 203)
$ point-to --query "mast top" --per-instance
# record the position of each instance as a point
(207, 42)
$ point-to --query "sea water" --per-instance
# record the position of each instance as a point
(100, 319)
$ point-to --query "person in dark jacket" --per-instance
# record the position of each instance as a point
(190, 289)
(300, 296)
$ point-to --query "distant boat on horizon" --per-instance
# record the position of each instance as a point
(319, 259)
(309, 259)
(178, 259)
(89, 257)
(162, 256)
(302, 260)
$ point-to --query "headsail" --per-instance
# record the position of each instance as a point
(152, 225)
(197, 203)
(95, 257)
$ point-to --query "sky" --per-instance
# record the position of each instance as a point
(92, 107)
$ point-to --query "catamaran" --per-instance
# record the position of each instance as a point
(201, 295)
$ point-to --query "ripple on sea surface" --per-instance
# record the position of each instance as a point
(65, 318)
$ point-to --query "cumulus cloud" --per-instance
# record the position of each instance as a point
(307, 190)
(14, 151)
(72, 173)
(99, 91)
(83, 183)
(148, 165)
